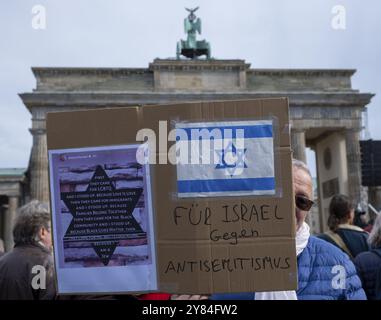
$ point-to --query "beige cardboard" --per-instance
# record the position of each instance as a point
(188, 260)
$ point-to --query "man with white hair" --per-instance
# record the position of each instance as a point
(26, 272)
(324, 271)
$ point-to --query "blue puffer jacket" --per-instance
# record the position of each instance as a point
(315, 274)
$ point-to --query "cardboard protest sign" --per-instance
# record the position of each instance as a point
(221, 226)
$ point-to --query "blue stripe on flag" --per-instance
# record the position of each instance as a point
(256, 131)
(221, 185)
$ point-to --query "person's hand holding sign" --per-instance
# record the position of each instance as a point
(189, 297)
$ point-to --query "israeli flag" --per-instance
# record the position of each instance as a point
(230, 158)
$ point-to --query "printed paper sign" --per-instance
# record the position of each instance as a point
(102, 218)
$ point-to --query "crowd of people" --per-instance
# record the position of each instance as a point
(356, 252)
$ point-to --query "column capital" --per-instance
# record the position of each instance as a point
(37, 131)
(298, 130)
(352, 130)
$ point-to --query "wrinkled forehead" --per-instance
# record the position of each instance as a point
(302, 182)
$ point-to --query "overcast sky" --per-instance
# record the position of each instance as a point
(123, 33)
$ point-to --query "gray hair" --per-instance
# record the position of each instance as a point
(298, 164)
(375, 235)
(29, 221)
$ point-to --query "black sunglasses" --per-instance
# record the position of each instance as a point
(303, 203)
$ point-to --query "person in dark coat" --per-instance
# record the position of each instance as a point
(349, 238)
(368, 264)
(26, 272)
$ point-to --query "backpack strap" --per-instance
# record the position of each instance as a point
(339, 242)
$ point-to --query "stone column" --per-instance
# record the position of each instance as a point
(375, 197)
(242, 79)
(8, 222)
(352, 138)
(298, 144)
(38, 166)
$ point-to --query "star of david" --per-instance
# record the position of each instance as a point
(102, 215)
(231, 158)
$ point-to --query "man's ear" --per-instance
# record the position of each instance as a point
(42, 232)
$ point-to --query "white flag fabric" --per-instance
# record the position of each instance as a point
(225, 158)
